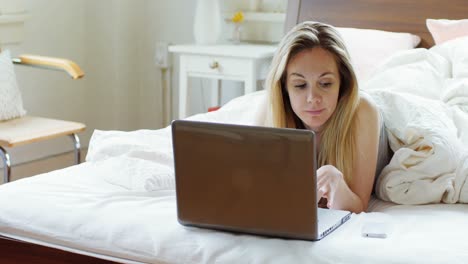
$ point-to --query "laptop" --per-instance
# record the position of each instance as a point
(249, 179)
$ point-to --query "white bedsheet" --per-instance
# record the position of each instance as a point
(79, 210)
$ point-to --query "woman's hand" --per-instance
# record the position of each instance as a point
(330, 183)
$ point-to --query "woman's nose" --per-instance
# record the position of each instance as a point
(313, 96)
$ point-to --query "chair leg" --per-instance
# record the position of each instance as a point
(6, 165)
(76, 143)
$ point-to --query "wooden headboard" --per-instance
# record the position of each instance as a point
(390, 15)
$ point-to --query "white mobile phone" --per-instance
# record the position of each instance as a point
(374, 229)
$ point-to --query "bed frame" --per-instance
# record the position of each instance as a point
(15, 251)
(390, 15)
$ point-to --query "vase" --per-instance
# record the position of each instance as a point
(207, 23)
(237, 33)
(255, 5)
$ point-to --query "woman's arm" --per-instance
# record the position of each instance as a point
(355, 195)
(367, 147)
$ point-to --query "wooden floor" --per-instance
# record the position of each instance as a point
(43, 165)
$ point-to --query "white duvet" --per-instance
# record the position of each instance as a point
(423, 95)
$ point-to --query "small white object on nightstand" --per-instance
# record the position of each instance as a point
(246, 62)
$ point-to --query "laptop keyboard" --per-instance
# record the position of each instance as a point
(328, 220)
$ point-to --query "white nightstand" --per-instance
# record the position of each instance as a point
(245, 62)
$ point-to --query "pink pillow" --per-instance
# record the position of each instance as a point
(443, 30)
(368, 48)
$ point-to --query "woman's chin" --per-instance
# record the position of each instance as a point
(313, 126)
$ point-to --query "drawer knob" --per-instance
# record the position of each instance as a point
(214, 65)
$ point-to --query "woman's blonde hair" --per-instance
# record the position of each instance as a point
(338, 135)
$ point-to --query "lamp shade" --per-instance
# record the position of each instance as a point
(207, 24)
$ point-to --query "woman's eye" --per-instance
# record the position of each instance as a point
(326, 84)
(300, 86)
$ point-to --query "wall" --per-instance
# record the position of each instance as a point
(114, 42)
(168, 21)
(171, 22)
(103, 37)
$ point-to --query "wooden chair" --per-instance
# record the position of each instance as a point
(28, 129)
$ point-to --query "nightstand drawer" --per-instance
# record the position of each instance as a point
(217, 65)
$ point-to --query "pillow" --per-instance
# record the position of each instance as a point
(456, 52)
(368, 48)
(443, 30)
(11, 104)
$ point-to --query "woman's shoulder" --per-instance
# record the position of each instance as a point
(367, 109)
(366, 103)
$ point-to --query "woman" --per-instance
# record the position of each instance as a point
(312, 85)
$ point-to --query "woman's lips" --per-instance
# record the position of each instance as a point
(315, 112)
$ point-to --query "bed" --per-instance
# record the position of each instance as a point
(119, 206)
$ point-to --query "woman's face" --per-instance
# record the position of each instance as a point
(313, 85)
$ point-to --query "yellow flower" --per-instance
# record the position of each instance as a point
(238, 17)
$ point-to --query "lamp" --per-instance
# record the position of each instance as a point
(207, 24)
